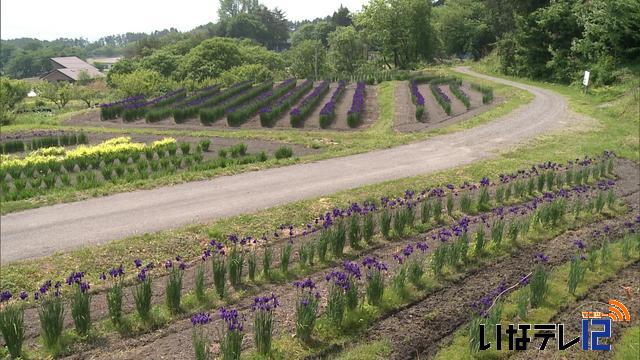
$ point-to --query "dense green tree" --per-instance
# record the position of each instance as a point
(209, 59)
(142, 82)
(307, 58)
(341, 17)
(254, 72)
(162, 61)
(12, 92)
(59, 93)
(247, 26)
(463, 28)
(400, 30)
(124, 66)
(319, 30)
(346, 50)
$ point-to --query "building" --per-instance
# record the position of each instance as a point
(104, 63)
(69, 69)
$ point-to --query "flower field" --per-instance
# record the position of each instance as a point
(287, 104)
(434, 101)
(349, 271)
(112, 162)
(437, 101)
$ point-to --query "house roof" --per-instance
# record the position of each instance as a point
(75, 73)
(73, 67)
(72, 62)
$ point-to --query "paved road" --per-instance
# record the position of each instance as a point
(40, 232)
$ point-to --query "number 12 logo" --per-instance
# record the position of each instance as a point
(596, 334)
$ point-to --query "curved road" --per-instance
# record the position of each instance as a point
(39, 232)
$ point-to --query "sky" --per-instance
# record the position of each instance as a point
(92, 19)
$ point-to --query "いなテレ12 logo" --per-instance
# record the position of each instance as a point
(602, 321)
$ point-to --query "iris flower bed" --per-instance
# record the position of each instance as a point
(328, 112)
(210, 115)
(551, 208)
(308, 104)
(417, 99)
(441, 97)
(110, 111)
(198, 96)
(192, 108)
(269, 114)
(239, 114)
(459, 93)
(135, 111)
(487, 92)
(354, 115)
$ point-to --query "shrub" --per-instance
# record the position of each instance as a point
(204, 144)
(142, 293)
(283, 152)
(174, 285)
(327, 113)
(219, 273)
(263, 311)
(80, 304)
(270, 113)
(12, 324)
(354, 115)
(336, 299)
(355, 233)
(231, 339)
(454, 86)
(198, 338)
(538, 285)
(51, 314)
(306, 309)
(238, 150)
(375, 280)
(285, 256)
(307, 105)
(487, 93)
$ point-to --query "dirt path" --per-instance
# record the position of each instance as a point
(42, 231)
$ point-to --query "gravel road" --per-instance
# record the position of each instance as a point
(39, 232)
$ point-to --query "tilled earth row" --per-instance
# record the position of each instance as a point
(405, 328)
(624, 287)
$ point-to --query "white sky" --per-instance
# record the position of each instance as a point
(92, 19)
